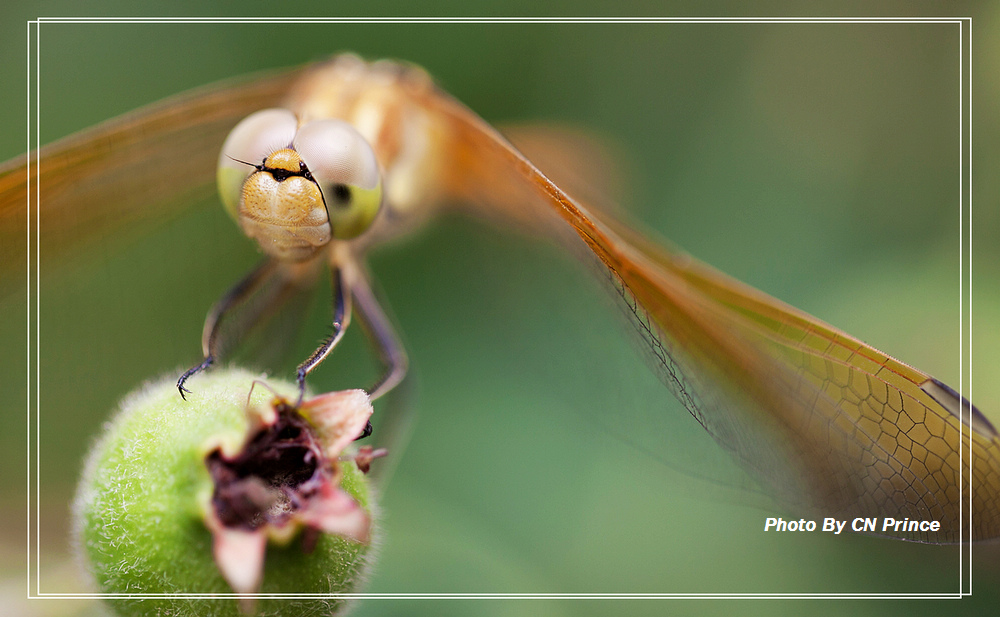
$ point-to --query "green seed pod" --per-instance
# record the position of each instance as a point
(181, 497)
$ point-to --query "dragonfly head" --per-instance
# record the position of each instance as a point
(293, 188)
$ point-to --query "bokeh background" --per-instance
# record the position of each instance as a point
(817, 162)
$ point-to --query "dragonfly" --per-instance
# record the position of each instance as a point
(369, 151)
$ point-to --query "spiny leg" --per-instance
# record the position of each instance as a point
(210, 335)
(341, 318)
(380, 332)
(379, 329)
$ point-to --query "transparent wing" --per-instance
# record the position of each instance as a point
(825, 423)
(135, 170)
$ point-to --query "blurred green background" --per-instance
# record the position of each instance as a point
(815, 162)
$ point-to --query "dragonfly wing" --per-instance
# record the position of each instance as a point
(590, 166)
(140, 168)
(907, 444)
(825, 423)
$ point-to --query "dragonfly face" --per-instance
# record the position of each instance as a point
(315, 182)
(825, 422)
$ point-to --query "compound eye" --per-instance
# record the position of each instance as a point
(345, 167)
(251, 141)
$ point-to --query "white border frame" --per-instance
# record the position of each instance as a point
(33, 281)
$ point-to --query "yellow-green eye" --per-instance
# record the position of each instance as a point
(345, 167)
(254, 138)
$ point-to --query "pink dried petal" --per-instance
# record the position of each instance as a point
(239, 554)
(334, 511)
(338, 417)
(244, 512)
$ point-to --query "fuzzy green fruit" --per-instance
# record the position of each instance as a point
(140, 509)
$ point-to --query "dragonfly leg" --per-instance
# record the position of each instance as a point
(211, 333)
(207, 362)
(395, 420)
(341, 318)
(378, 327)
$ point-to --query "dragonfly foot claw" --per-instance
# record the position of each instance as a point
(207, 362)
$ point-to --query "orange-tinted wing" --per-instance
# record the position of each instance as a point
(140, 168)
(827, 424)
